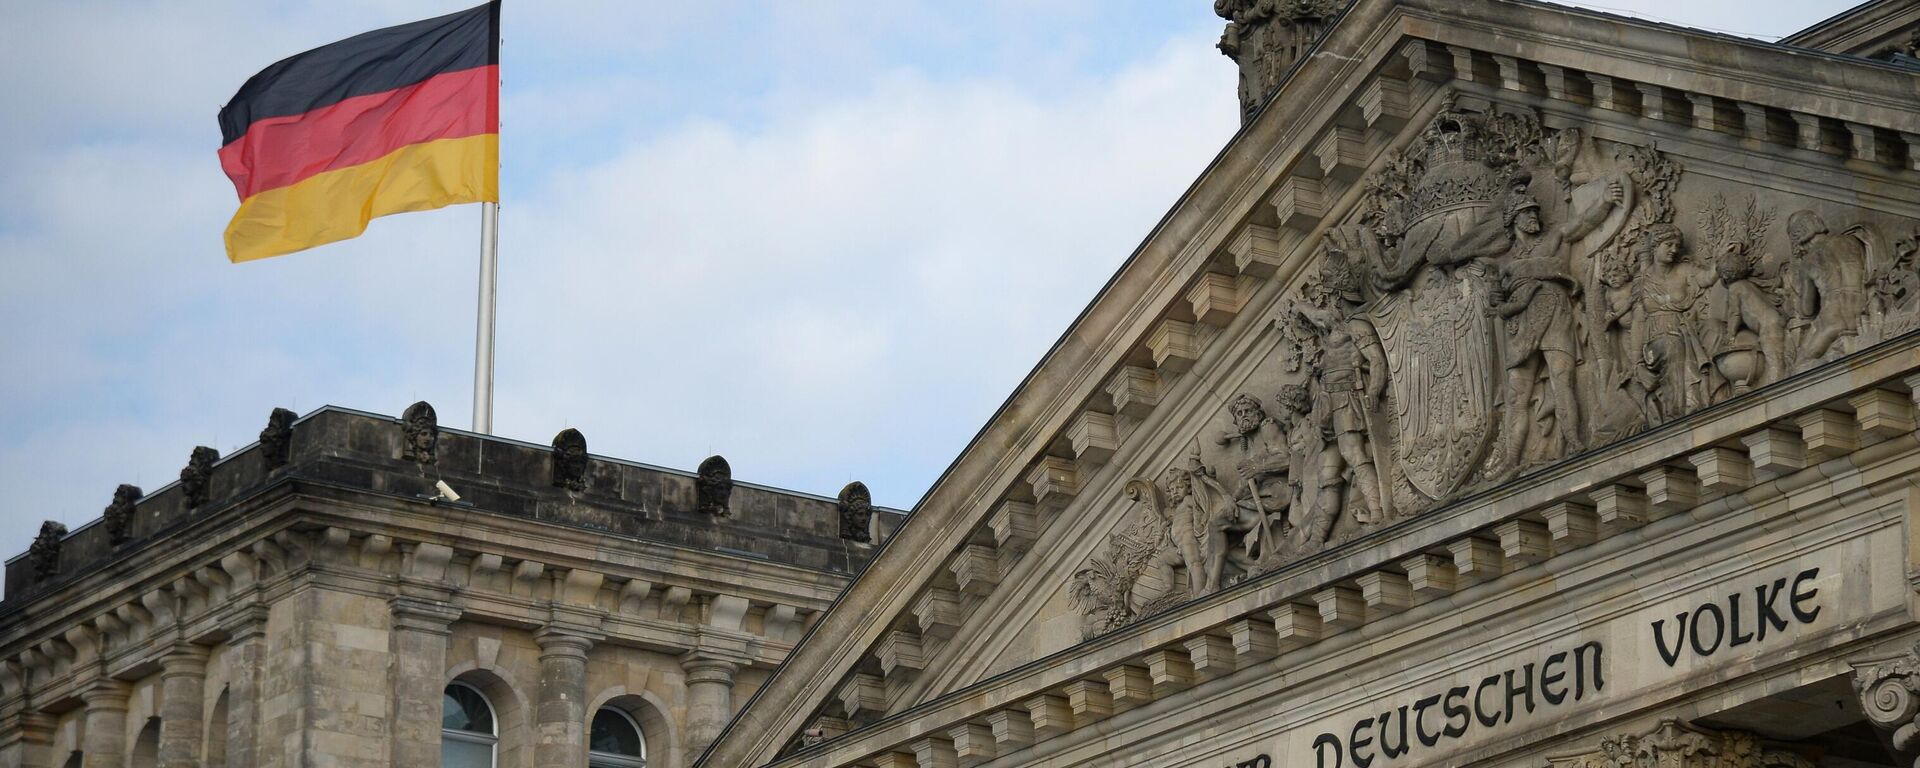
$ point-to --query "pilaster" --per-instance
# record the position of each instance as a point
(560, 712)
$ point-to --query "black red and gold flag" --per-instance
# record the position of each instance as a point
(400, 119)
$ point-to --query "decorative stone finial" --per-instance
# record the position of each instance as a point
(714, 487)
(44, 554)
(570, 460)
(1672, 743)
(1265, 37)
(422, 429)
(276, 441)
(856, 512)
(119, 514)
(197, 475)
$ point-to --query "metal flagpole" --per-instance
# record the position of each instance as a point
(483, 344)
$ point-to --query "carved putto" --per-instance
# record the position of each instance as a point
(856, 512)
(570, 460)
(420, 428)
(197, 476)
(1502, 296)
(1673, 744)
(1265, 37)
(44, 553)
(276, 441)
(119, 514)
(713, 486)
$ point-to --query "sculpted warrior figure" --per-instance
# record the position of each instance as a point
(1828, 284)
(1353, 379)
(1536, 299)
(1665, 380)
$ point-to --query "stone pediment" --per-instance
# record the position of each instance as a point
(1446, 276)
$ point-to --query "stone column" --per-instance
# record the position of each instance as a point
(560, 715)
(183, 678)
(26, 739)
(420, 632)
(105, 744)
(709, 698)
(246, 653)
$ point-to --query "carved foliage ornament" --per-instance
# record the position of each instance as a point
(276, 440)
(1673, 744)
(570, 460)
(713, 487)
(1503, 295)
(197, 477)
(119, 514)
(44, 553)
(856, 512)
(420, 428)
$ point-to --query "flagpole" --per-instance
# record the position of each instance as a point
(483, 342)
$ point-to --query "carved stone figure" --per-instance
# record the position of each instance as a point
(1265, 38)
(1894, 295)
(1136, 574)
(713, 487)
(1673, 744)
(1828, 285)
(119, 514)
(1261, 463)
(276, 441)
(1352, 377)
(856, 512)
(421, 427)
(1536, 301)
(198, 475)
(44, 554)
(1429, 225)
(570, 460)
(1205, 519)
(1666, 379)
(1747, 338)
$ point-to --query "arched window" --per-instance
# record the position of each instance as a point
(467, 731)
(146, 748)
(615, 741)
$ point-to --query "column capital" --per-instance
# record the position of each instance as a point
(703, 667)
(106, 694)
(565, 641)
(183, 658)
(1889, 689)
(420, 614)
(31, 726)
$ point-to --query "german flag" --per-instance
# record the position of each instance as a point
(394, 120)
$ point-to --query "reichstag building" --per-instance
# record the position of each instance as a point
(1522, 386)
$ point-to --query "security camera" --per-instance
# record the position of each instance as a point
(446, 491)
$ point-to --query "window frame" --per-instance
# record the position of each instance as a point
(609, 759)
(491, 740)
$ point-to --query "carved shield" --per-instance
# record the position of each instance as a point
(1439, 343)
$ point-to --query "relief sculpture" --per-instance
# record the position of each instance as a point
(1504, 295)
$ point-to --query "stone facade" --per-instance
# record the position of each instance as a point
(311, 601)
(1501, 396)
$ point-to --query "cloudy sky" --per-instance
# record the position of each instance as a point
(822, 237)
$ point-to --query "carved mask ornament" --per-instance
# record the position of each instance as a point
(856, 512)
(570, 460)
(420, 427)
(197, 477)
(44, 553)
(713, 487)
(276, 441)
(119, 514)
